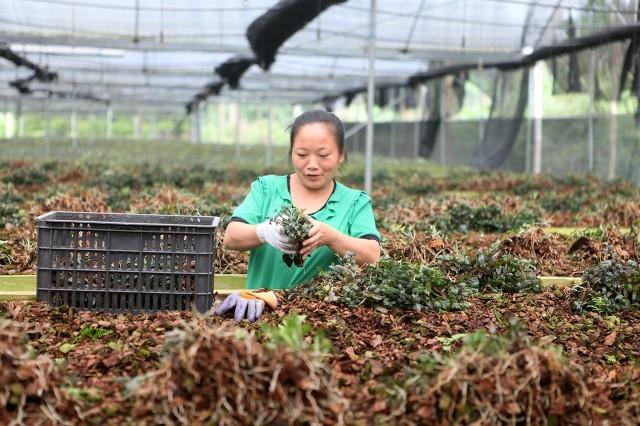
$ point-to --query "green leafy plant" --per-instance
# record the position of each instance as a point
(494, 271)
(462, 217)
(292, 332)
(10, 211)
(5, 253)
(31, 175)
(611, 286)
(295, 225)
(93, 333)
(389, 283)
(554, 201)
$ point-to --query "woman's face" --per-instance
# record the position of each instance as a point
(315, 155)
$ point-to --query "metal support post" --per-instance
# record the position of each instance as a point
(370, 93)
(73, 127)
(538, 77)
(613, 139)
(221, 122)
(443, 120)
(419, 113)
(270, 136)
(20, 118)
(237, 132)
(392, 129)
(592, 79)
(109, 122)
(137, 126)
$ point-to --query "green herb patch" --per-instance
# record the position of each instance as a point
(492, 270)
(612, 286)
(389, 283)
(462, 217)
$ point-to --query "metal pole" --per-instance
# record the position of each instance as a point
(74, 126)
(46, 124)
(528, 141)
(392, 130)
(443, 120)
(47, 144)
(20, 118)
(221, 122)
(195, 112)
(270, 137)
(237, 135)
(370, 89)
(592, 79)
(419, 113)
(109, 122)
(136, 126)
(613, 139)
(538, 77)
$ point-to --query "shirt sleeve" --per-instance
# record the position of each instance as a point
(363, 224)
(250, 210)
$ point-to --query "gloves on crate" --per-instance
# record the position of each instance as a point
(247, 303)
(271, 233)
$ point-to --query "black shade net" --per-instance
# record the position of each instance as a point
(232, 69)
(505, 119)
(269, 31)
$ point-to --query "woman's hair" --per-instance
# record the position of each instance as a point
(318, 116)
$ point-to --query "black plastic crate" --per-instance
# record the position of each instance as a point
(121, 262)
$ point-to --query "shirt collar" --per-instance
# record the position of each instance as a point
(328, 211)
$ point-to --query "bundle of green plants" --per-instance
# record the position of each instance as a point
(461, 217)
(28, 175)
(10, 209)
(295, 224)
(492, 270)
(611, 286)
(493, 380)
(224, 376)
(295, 333)
(389, 283)
(572, 202)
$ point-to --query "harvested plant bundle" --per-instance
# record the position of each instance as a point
(224, 376)
(492, 380)
(295, 225)
(29, 385)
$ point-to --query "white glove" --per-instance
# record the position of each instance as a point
(271, 233)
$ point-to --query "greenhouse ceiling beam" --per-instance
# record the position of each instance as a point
(183, 72)
(384, 50)
(279, 84)
(186, 92)
(249, 96)
(136, 102)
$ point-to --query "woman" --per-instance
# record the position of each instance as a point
(342, 218)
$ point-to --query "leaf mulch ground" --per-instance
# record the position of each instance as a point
(370, 346)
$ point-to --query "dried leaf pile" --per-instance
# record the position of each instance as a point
(225, 376)
(521, 383)
(29, 383)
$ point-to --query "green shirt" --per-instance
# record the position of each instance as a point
(347, 210)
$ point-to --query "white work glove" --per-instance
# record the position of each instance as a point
(271, 233)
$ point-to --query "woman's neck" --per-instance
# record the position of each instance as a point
(309, 199)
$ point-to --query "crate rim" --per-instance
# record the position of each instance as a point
(215, 220)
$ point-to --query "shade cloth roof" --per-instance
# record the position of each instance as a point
(159, 54)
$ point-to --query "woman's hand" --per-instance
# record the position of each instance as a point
(320, 235)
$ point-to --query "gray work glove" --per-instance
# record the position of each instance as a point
(247, 303)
